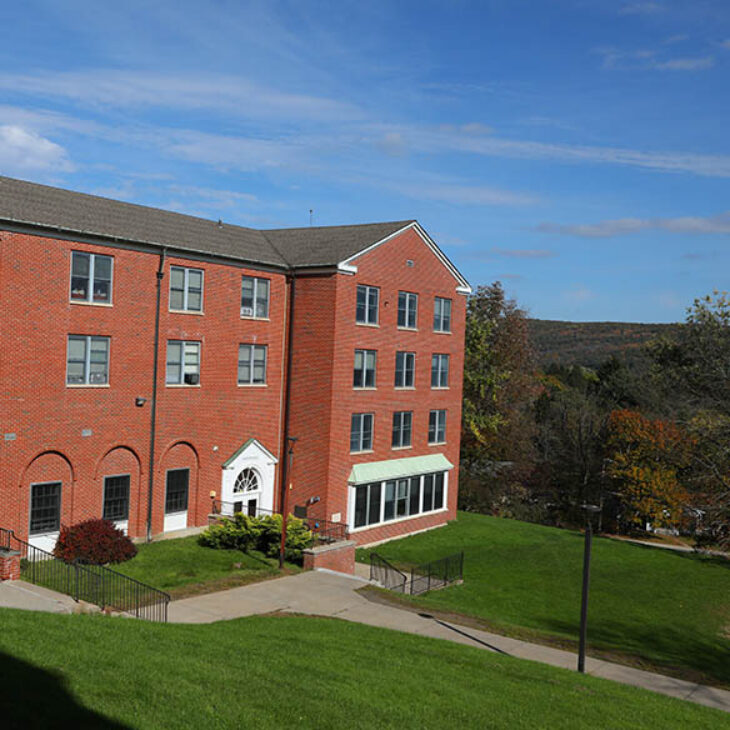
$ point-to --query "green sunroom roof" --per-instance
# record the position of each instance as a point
(379, 471)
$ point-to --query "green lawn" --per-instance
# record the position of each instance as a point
(277, 672)
(648, 606)
(182, 567)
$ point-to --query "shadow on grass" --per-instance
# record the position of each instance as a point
(31, 697)
(693, 658)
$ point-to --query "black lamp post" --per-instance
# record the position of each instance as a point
(590, 510)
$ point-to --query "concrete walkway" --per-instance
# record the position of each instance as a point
(26, 596)
(323, 593)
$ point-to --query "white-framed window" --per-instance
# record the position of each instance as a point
(402, 426)
(247, 481)
(366, 307)
(437, 427)
(397, 499)
(186, 289)
(405, 368)
(252, 364)
(91, 277)
(255, 297)
(361, 432)
(183, 363)
(363, 374)
(45, 508)
(441, 315)
(439, 371)
(87, 360)
(116, 498)
(407, 309)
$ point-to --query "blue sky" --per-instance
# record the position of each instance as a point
(576, 150)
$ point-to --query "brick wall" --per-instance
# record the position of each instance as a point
(385, 267)
(197, 426)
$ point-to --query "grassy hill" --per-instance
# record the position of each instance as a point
(651, 608)
(591, 343)
(290, 671)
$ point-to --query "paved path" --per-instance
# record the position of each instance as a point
(324, 593)
(19, 594)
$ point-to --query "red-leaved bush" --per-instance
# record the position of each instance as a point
(94, 541)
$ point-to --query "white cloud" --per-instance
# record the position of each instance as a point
(641, 8)
(646, 59)
(717, 224)
(229, 95)
(22, 150)
(523, 253)
(461, 194)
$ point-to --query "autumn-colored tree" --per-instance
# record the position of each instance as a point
(646, 459)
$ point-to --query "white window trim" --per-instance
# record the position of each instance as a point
(372, 432)
(186, 276)
(364, 369)
(437, 410)
(30, 507)
(441, 355)
(401, 430)
(352, 491)
(405, 369)
(253, 347)
(87, 362)
(451, 309)
(410, 296)
(89, 301)
(256, 280)
(183, 384)
(367, 288)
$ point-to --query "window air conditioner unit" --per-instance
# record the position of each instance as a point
(192, 378)
(247, 311)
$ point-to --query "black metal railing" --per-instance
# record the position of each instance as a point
(95, 584)
(5, 538)
(422, 578)
(437, 574)
(325, 531)
(386, 574)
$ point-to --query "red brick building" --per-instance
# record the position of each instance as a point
(151, 362)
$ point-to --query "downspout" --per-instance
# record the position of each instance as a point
(287, 444)
(153, 408)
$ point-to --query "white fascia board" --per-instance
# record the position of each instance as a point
(348, 267)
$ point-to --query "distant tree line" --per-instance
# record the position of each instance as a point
(649, 444)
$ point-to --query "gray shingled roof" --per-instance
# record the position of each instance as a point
(328, 246)
(78, 213)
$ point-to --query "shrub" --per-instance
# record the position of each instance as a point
(94, 541)
(260, 533)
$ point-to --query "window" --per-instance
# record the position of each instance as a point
(439, 371)
(91, 278)
(407, 309)
(433, 491)
(176, 492)
(402, 421)
(397, 499)
(116, 498)
(87, 360)
(437, 427)
(442, 315)
(363, 375)
(361, 432)
(255, 297)
(405, 367)
(183, 363)
(367, 504)
(366, 310)
(45, 508)
(186, 289)
(252, 364)
(246, 481)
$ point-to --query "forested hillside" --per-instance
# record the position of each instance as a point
(591, 343)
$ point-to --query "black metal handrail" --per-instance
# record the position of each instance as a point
(95, 584)
(436, 574)
(323, 530)
(383, 572)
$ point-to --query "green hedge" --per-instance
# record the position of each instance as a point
(241, 532)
